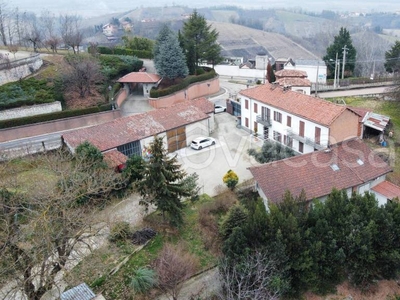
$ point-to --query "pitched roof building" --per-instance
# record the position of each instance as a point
(299, 121)
(126, 136)
(350, 165)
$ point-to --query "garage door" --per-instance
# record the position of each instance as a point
(176, 139)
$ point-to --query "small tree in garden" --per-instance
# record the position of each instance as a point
(173, 266)
(164, 183)
(231, 179)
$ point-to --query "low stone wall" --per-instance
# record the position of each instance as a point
(57, 125)
(14, 70)
(193, 91)
(28, 111)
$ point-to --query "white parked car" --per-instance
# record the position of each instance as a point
(219, 109)
(202, 142)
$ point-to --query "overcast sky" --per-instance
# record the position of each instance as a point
(100, 7)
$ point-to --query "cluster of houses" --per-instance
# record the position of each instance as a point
(327, 138)
(315, 71)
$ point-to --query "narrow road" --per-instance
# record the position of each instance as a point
(355, 92)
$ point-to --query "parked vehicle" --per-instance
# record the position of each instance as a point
(202, 142)
(219, 109)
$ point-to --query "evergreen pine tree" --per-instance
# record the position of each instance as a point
(200, 42)
(169, 59)
(163, 183)
(342, 40)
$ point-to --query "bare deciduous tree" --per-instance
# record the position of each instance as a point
(3, 25)
(253, 277)
(173, 266)
(46, 229)
(71, 32)
(51, 39)
(82, 74)
(33, 31)
(371, 50)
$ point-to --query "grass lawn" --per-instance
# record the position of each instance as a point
(95, 269)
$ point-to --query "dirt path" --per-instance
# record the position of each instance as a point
(203, 286)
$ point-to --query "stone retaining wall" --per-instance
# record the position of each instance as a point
(33, 110)
(14, 70)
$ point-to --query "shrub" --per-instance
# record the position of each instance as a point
(155, 93)
(118, 65)
(143, 280)
(120, 231)
(26, 92)
(53, 116)
(230, 179)
(271, 151)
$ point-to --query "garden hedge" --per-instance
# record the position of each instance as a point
(155, 93)
(54, 116)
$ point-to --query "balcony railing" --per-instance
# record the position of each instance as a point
(264, 120)
(305, 140)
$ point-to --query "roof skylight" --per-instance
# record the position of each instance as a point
(335, 167)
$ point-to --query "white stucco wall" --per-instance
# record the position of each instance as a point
(235, 71)
(147, 88)
(32, 110)
(302, 89)
(382, 200)
(282, 128)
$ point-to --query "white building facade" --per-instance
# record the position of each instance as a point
(298, 121)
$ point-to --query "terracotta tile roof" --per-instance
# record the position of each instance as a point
(314, 172)
(136, 127)
(114, 158)
(294, 82)
(290, 73)
(203, 104)
(311, 108)
(387, 189)
(142, 77)
(361, 112)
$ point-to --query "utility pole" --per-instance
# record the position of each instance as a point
(334, 80)
(344, 58)
(316, 80)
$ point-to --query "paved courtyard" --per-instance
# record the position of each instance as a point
(230, 152)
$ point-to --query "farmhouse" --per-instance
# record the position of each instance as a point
(298, 121)
(127, 136)
(350, 165)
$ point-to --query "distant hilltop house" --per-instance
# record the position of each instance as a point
(112, 30)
